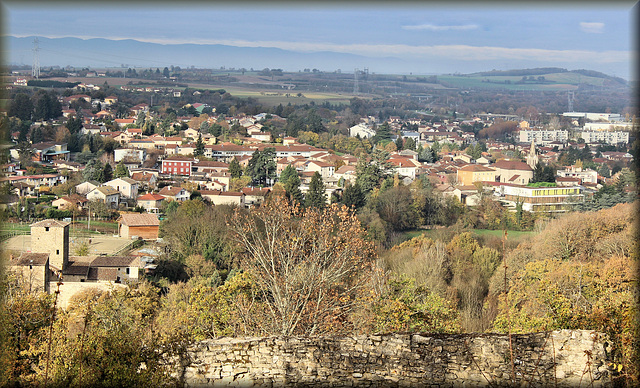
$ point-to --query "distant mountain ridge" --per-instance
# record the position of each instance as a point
(102, 53)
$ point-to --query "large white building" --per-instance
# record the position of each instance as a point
(594, 116)
(608, 137)
(543, 136)
(362, 130)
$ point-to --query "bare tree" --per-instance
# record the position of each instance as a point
(309, 266)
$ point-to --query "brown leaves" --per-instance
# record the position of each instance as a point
(309, 265)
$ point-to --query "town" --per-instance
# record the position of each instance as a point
(155, 183)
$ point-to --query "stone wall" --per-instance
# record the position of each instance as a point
(556, 359)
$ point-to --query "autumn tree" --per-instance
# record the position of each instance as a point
(309, 266)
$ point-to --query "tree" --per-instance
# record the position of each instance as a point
(107, 173)
(47, 106)
(371, 172)
(235, 169)
(383, 132)
(74, 124)
(199, 147)
(21, 107)
(353, 196)
(121, 170)
(316, 196)
(93, 171)
(399, 143)
(262, 166)
(410, 144)
(291, 181)
(309, 266)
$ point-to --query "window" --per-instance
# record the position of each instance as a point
(46, 228)
(57, 251)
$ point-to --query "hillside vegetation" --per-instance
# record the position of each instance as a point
(285, 270)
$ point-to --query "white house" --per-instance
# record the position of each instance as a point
(127, 187)
(106, 194)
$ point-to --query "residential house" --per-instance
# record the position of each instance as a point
(72, 202)
(145, 180)
(471, 173)
(346, 173)
(325, 169)
(216, 197)
(49, 151)
(255, 196)
(85, 187)
(127, 187)
(151, 202)
(175, 193)
(107, 194)
(177, 165)
(124, 122)
(362, 130)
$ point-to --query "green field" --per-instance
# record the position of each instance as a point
(275, 97)
(554, 81)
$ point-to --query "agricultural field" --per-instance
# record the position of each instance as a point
(553, 81)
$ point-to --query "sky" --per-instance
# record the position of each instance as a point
(595, 36)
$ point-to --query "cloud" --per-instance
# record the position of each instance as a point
(432, 27)
(592, 27)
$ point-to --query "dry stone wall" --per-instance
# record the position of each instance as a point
(554, 359)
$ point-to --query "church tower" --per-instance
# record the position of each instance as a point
(52, 237)
(532, 158)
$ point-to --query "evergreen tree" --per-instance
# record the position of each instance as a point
(235, 169)
(399, 143)
(199, 147)
(287, 173)
(74, 124)
(21, 107)
(353, 196)
(107, 173)
(121, 170)
(410, 144)
(316, 196)
(262, 166)
(383, 132)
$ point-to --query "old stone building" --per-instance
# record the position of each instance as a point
(52, 237)
(49, 268)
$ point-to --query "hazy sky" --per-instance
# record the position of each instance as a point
(591, 35)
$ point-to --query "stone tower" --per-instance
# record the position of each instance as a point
(532, 158)
(52, 237)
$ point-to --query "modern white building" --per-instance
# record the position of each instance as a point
(543, 136)
(362, 130)
(608, 137)
(594, 116)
